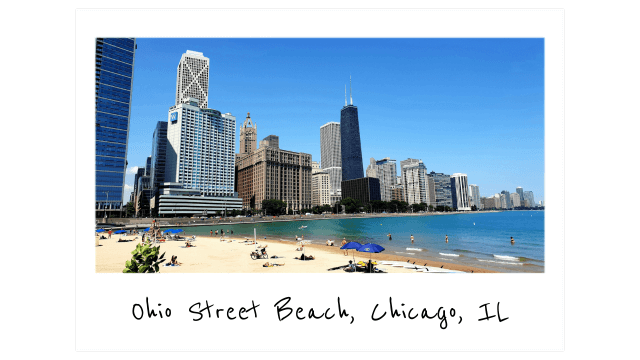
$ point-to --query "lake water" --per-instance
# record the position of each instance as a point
(476, 239)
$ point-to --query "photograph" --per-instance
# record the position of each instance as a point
(319, 155)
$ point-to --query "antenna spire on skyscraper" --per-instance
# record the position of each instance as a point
(350, 90)
(345, 94)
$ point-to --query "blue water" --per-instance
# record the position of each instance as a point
(479, 239)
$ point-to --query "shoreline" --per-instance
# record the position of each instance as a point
(189, 222)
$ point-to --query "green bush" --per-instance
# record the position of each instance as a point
(145, 259)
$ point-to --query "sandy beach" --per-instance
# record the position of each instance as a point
(210, 255)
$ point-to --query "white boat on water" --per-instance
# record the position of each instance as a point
(302, 227)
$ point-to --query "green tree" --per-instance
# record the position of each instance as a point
(273, 207)
(430, 207)
(351, 205)
(326, 208)
(131, 209)
(145, 259)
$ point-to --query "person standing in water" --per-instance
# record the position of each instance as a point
(446, 238)
(412, 238)
(389, 236)
(211, 232)
(344, 242)
(512, 241)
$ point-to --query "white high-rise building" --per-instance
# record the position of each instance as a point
(528, 195)
(385, 171)
(460, 192)
(404, 163)
(415, 181)
(201, 149)
(331, 157)
(474, 196)
(315, 167)
(515, 199)
(193, 78)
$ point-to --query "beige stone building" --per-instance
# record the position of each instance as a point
(320, 187)
(271, 173)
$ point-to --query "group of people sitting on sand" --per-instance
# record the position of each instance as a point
(305, 257)
(329, 242)
(369, 267)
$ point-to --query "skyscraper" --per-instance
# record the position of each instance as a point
(158, 154)
(442, 184)
(147, 168)
(403, 163)
(331, 157)
(271, 140)
(193, 78)
(385, 171)
(200, 149)
(529, 195)
(248, 136)
(520, 194)
(350, 145)
(414, 175)
(114, 79)
(474, 196)
(506, 199)
(460, 192)
(515, 200)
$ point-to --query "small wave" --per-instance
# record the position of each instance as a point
(400, 252)
(505, 257)
(443, 254)
(414, 249)
(500, 262)
(411, 253)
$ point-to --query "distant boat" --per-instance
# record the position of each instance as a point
(302, 227)
(474, 223)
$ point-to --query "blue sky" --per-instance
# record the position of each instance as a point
(473, 106)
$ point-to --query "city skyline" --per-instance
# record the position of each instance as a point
(290, 97)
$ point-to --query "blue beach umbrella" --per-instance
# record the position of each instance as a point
(147, 229)
(352, 245)
(370, 248)
(100, 230)
(120, 232)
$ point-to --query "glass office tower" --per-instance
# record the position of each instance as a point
(350, 148)
(114, 78)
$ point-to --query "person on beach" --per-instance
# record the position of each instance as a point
(351, 267)
(344, 242)
(389, 236)
(272, 264)
(446, 238)
(329, 243)
(211, 232)
(231, 232)
(174, 261)
(109, 234)
(412, 238)
(512, 241)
